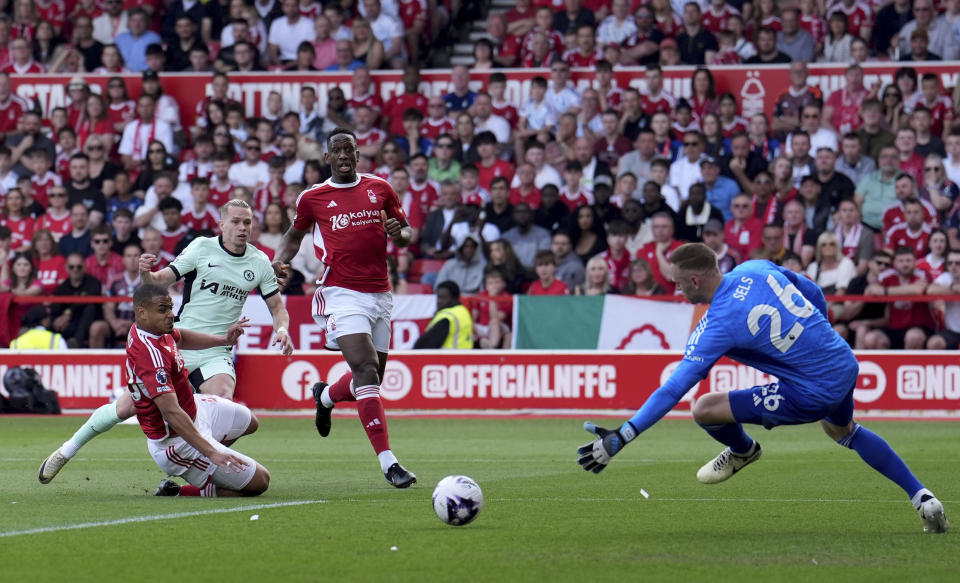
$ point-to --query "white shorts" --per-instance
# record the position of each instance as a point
(341, 311)
(217, 420)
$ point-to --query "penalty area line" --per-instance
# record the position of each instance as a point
(153, 517)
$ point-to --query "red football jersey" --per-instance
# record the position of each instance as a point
(373, 136)
(219, 194)
(649, 252)
(171, 238)
(893, 215)
(32, 68)
(507, 112)
(941, 110)
(573, 200)
(575, 58)
(121, 112)
(432, 128)
(154, 367)
(371, 100)
(532, 198)
(663, 102)
(58, 227)
(900, 235)
(21, 230)
(410, 10)
(107, 271)
(618, 270)
(486, 174)
(347, 230)
(11, 111)
(846, 109)
(53, 11)
(716, 22)
(207, 219)
(42, 186)
(397, 105)
(815, 25)
(426, 194)
(557, 288)
(50, 272)
(905, 315)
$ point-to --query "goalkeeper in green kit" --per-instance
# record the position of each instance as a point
(219, 273)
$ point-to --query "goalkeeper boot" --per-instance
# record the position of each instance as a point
(51, 466)
(727, 464)
(167, 488)
(400, 477)
(322, 419)
(932, 514)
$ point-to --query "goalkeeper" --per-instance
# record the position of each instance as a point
(773, 320)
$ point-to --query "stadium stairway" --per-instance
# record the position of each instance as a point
(462, 53)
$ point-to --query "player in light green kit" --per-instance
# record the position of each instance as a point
(219, 273)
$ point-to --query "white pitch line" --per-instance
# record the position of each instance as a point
(151, 518)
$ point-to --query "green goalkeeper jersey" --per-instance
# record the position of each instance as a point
(217, 283)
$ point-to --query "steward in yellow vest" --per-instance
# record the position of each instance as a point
(34, 335)
(452, 326)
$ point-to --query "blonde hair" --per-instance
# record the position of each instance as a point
(825, 237)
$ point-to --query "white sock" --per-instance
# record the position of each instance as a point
(68, 449)
(325, 399)
(387, 459)
(920, 494)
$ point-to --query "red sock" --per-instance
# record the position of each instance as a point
(373, 418)
(210, 490)
(340, 390)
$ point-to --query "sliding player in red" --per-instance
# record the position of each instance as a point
(179, 424)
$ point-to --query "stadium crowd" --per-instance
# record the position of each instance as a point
(569, 192)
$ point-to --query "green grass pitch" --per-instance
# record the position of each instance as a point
(808, 509)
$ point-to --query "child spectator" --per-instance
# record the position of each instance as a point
(616, 256)
(493, 311)
(202, 216)
(571, 193)
(547, 284)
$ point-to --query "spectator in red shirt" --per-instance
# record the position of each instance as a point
(910, 161)
(907, 324)
(51, 266)
(547, 284)
(104, 264)
(489, 166)
(171, 209)
(657, 252)
(493, 311)
(616, 255)
(744, 231)
(912, 232)
(203, 216)
(398, 104)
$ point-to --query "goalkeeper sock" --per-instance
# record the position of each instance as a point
(880, 456)
(732, 435)
(373, 418)
(102, 420)
(340, 390)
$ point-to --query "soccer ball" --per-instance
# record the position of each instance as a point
(457, 500)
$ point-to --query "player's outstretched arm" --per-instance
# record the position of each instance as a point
(180, 422)
(193, 340)
(165, 277)
(289, 246)
(281, 320)
(595, 456)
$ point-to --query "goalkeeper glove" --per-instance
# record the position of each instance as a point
(595, 456)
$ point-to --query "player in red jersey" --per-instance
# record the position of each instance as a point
(350, 216)
(179, 424)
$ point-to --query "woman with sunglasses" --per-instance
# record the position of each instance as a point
(120, 108)
(831, 271)
(941, 191)
(102, 169)
(892, 108)
(157, 161)
(855, 319)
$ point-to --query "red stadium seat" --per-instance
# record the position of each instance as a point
(421, 266)
(419, 288)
